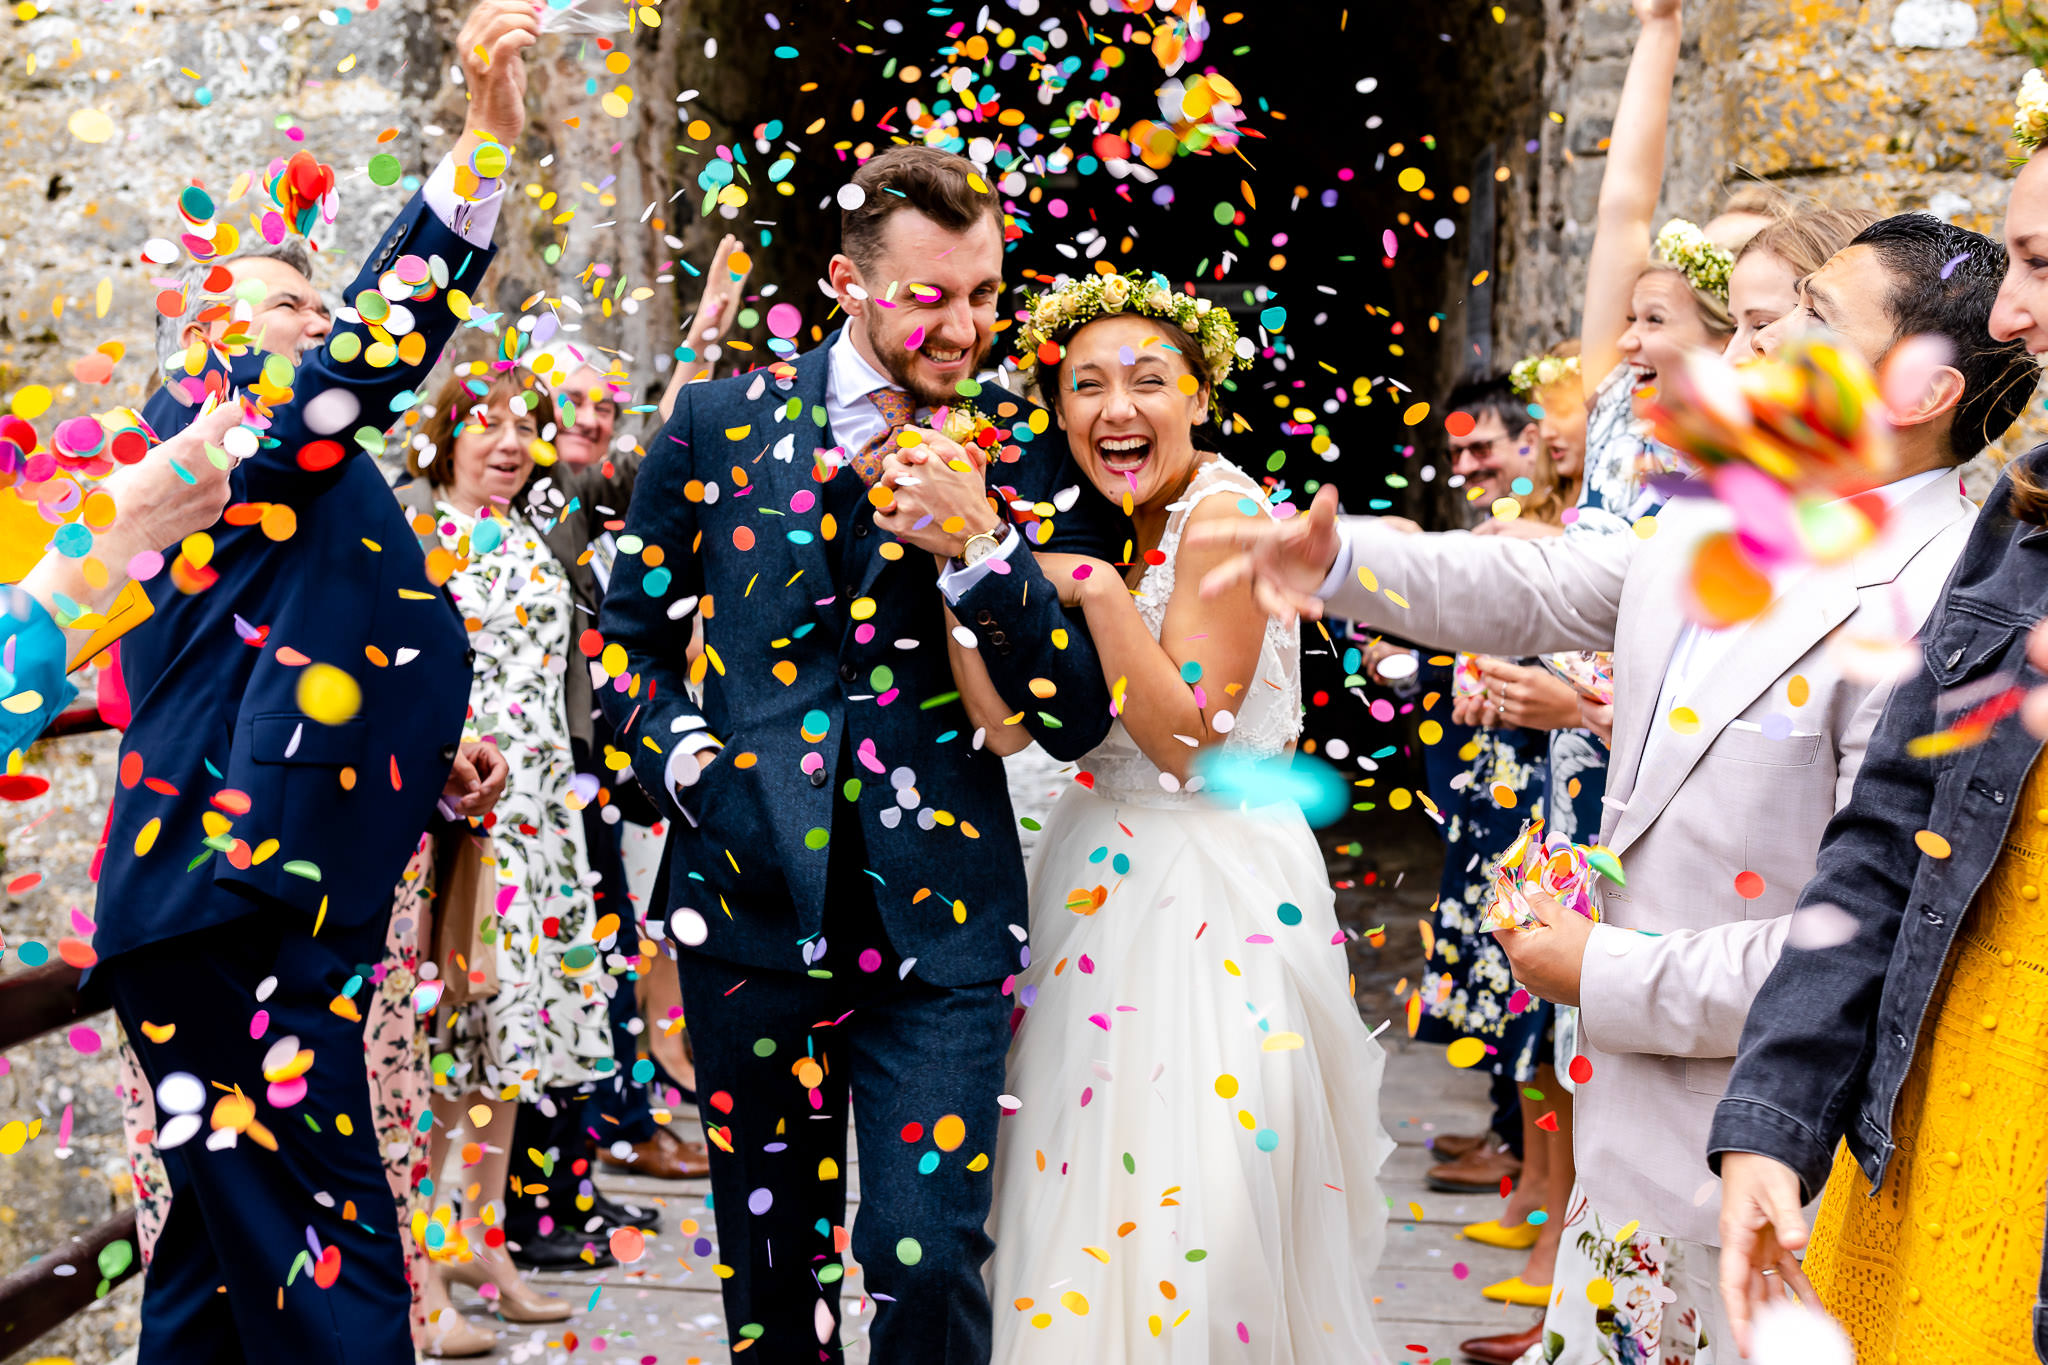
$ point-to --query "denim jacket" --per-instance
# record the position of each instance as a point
(1832, 1033)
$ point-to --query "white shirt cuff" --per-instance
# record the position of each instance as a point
(683, 768)
(473, 220)
(957, 581)
(1341, 569)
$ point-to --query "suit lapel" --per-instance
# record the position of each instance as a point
(785, 423)
(1811, 608)
(1641, 660)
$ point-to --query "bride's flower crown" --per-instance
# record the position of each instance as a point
(1059, 312)
(2030, 112)
(1535, 372)
(1706, 267)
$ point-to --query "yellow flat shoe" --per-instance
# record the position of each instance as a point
(1515, 1292)
(1493, 1233)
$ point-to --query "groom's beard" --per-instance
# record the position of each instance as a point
(899, 364)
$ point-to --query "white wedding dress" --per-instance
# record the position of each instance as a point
(1192, 1176)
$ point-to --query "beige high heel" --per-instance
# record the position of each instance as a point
(528, 1304)
(455, 1338)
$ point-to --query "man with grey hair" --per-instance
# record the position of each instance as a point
(299, 698)
(288, 315)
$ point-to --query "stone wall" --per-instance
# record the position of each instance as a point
(1897, 106)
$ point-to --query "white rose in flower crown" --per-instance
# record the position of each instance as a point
(1045, 311)
(1159, 299)
(2030, 112)
(1116, 292)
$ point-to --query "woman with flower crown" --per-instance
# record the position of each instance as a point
(1188, 1168)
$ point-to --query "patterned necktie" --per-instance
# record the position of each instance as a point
(897, 408)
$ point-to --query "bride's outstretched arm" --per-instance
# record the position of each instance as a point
(1172, 692)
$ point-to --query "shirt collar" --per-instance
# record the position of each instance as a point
(851, 377)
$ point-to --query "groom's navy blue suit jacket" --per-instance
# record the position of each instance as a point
(826, 642)
(302, 813)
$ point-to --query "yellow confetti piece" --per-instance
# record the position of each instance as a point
(1368, 579)
(329, 695)
(1281, 1042)
(1626, 1230)
(1099, 1253)
(30, 402)
(145, 838)
(1465, 1053)
(90, 125)
(1415, 414)
(1075, 1302)
(1395, 597)
(1684, 719)
(1414, 1211)
(1226, 1086)
(1932, 844)
(1600, 1293)
(1797, 690)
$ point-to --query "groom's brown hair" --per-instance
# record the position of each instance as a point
(940, 185)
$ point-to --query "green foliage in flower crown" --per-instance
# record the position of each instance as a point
(1533, 372)
(1706, 266)
(1058, 313)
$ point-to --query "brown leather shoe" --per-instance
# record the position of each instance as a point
(1477, 1172)
(665, 1157)
(1451, 1146)
(1504, 1349)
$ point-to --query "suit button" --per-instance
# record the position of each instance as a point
(984, 619)
(999, 640)
(862, 527)
(469, 657)
(847, 672)
(448, 752)
(818, 778)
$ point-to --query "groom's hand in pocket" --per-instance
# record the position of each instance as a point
(938, 496)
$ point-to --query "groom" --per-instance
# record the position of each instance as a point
(845, 885)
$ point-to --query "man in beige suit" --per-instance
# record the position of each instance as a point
(1731, 750)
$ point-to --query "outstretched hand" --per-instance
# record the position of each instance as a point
(722, 291)
(178, 488)
(1761, 1226)
(1283, 561)
(491, 48)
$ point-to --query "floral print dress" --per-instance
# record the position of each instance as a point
(547, 1026)
(1485, 783)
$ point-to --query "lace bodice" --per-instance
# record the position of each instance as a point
(1268, 716)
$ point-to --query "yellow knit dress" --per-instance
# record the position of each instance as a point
(1943, 1262)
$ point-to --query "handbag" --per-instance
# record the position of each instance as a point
(466, 917)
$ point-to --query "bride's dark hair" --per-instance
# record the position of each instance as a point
(1204, 436)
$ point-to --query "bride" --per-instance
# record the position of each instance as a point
(1192, 1172)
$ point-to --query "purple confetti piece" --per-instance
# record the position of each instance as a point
(1950, 268)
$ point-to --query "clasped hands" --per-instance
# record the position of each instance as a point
(938, 495)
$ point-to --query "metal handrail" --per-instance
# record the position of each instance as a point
(48, 1291)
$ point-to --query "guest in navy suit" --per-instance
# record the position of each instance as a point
(299, 698)
(845, 884)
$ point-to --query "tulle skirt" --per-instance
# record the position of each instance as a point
(1192, 1173)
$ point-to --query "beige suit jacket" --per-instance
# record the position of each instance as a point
(1662, 1009)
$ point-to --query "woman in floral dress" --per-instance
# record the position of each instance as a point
(546, 1027)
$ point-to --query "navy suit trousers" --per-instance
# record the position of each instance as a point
(240, 1217)
(779, 1057)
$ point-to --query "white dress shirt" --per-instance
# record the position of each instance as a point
(473, 220)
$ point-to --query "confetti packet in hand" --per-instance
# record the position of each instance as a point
(599, 17)
(1554, 867)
